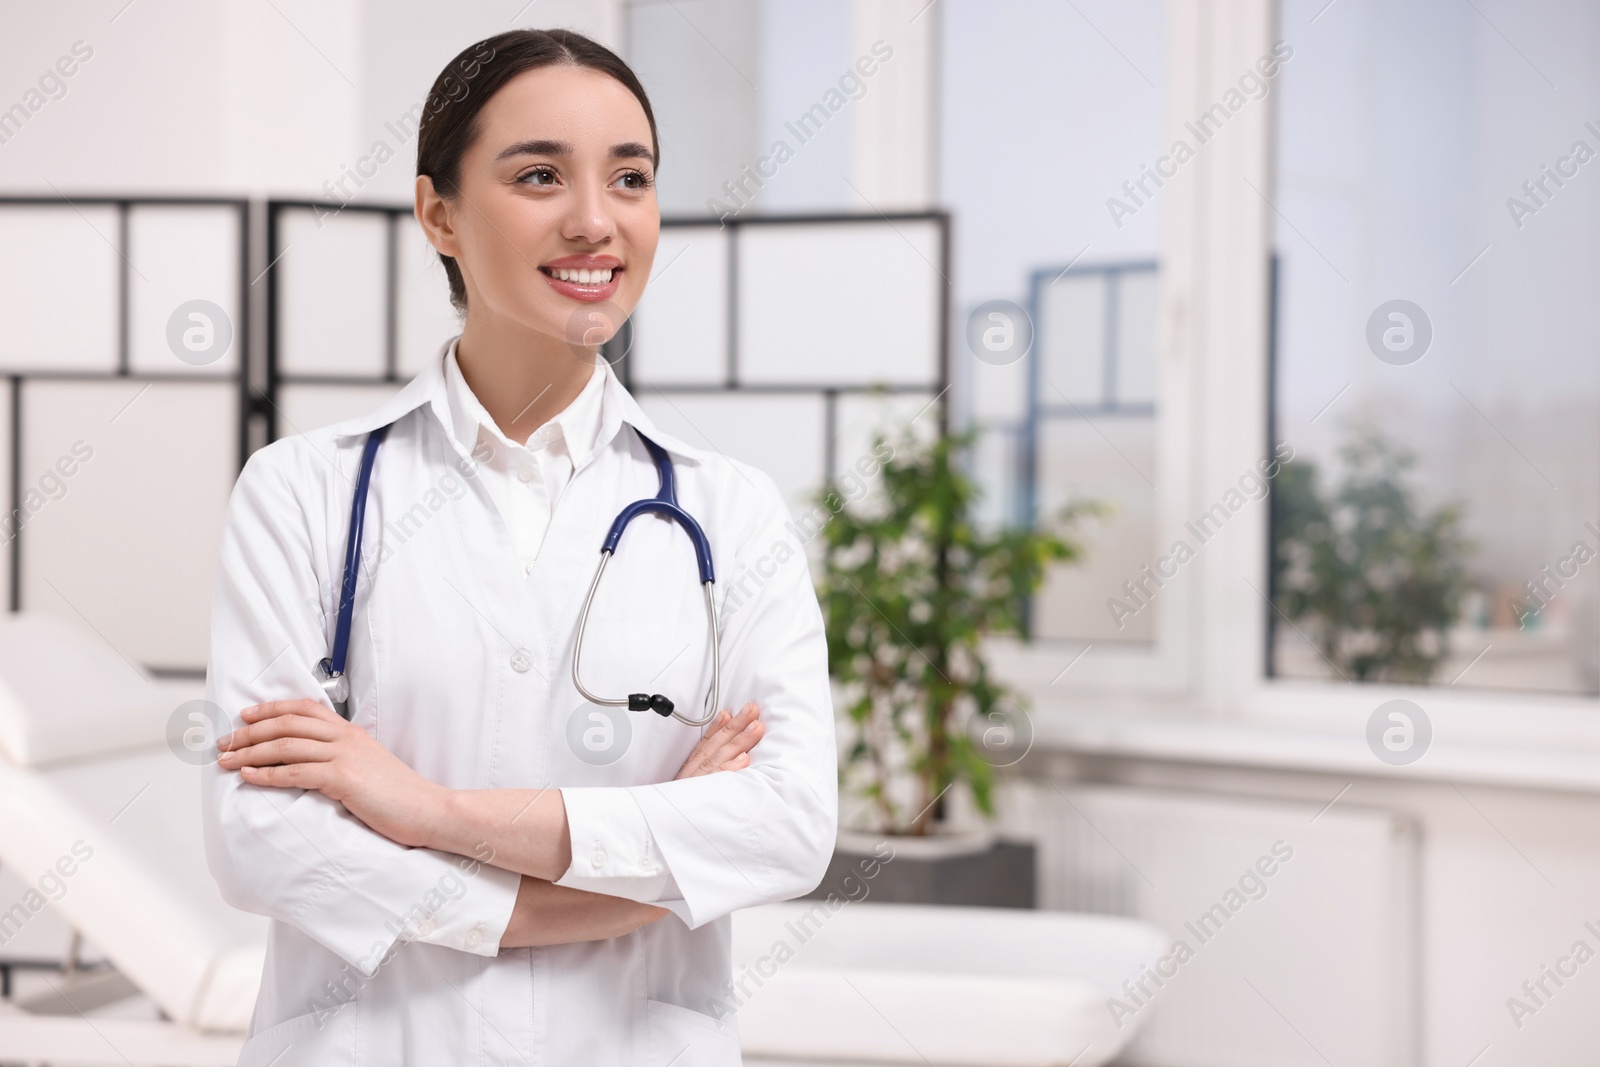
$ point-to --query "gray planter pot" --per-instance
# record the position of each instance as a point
(976, 870)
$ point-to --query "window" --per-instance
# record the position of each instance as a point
(1073, 416)
(1435, 370)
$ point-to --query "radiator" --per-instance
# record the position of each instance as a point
(1294, 928)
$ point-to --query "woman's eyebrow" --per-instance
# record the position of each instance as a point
(632, 150)
(535, 148)
(626, 150)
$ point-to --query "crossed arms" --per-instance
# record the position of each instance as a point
(302, 744)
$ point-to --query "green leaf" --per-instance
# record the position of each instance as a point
(911, 586)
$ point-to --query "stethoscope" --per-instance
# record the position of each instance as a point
(664, 503)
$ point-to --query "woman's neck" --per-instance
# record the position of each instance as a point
(522, 378)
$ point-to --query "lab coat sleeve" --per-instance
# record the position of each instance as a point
(290, 854)
(737, 839)
(613, 850)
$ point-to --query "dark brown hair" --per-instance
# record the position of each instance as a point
(450, 118)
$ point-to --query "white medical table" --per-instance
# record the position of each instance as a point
(908, 984)
(84, 757)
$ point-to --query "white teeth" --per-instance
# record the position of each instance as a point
(583, 277)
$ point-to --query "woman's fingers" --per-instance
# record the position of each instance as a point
(279, 750)
(739, 743)
(313, 708)
(279, 726)
(736, 738)
(732, 726)
(730, 735)
(291, 776)
(736, 751)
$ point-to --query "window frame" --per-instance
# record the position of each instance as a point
(1214, 340)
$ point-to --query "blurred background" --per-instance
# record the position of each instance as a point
(1278, 316)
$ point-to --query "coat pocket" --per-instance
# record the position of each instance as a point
(683, 1037)
(313, 1038)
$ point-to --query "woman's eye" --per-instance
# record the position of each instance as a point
(635, 180)
(539, 176)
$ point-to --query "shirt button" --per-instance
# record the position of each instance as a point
(474, 937)
(521, 661)
(598, 860)
(525, 475)
(425, 927)
(528, 570)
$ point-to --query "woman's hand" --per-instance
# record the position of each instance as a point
(304, 744)
(726, 745)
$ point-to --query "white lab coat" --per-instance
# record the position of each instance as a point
(460, 663)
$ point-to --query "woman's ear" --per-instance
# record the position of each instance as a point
(434, 215)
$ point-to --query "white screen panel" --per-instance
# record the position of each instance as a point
(332, 273)
(425, 318)
(781, 435)
(1108, 461)
(999, 392)
(5, 459)
(1136, 337)
(182, 254)
(995, 468)
(126, 539)
(860, 418)
(306, 407)
(681, 325)
(1071, 341)
(59, 276)
(848, 303)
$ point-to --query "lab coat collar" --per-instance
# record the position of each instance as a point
(577, 425)
(617, 407)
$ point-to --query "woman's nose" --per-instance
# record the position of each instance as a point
(589, 219)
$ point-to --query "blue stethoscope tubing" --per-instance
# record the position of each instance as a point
(665, 503)
(334, 681)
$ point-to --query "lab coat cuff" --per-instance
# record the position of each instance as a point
(613, 850)
(471, 919)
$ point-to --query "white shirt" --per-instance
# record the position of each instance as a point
(461, 664)
(525, 478)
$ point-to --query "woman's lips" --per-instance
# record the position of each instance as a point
(589, 294)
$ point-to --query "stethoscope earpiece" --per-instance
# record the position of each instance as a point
(655, 702)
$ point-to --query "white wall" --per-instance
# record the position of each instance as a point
(175, 97)
(1508, 877)
(239, 98)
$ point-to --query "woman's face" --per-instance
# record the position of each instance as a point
(555, 223)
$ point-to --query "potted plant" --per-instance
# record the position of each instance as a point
(911, 585)
(1373, 576)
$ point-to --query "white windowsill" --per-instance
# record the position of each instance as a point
(1167, 736)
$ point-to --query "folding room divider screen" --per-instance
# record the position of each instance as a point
(783, 341)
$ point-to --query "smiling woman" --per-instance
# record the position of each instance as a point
(503, 209)
(598, 884)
